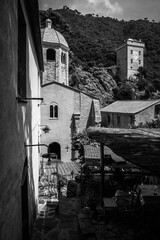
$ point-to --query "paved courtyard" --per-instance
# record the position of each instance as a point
(71, 222)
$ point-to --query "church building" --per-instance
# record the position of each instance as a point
(65, 110)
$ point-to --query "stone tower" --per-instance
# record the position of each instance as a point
(55, 55)
(129, 58)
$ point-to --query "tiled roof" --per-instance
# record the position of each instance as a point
(129, 106)
(93, 152)
(64, 168)
(52, 36)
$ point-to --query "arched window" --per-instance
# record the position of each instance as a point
(51, 111)
(51, 54)
(54, 110)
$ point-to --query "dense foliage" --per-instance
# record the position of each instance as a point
(93, 40)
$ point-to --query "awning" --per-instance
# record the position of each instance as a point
(138, 146)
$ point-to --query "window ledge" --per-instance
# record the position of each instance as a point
(53, 118)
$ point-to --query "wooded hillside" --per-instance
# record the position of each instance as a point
(93, 40)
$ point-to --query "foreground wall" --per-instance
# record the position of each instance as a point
(18, 171)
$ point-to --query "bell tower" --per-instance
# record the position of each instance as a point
(55, 55)
(130, 56)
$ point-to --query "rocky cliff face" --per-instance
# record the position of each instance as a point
(95, 81)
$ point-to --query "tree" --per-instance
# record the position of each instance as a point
(144, 83)
(79, 140)
(124, 92)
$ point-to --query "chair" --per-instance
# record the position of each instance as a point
(110, 207)
(128, 204)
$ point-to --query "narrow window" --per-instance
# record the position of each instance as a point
(118, 120)
(51, 111)
(157, 111)
(51, 54)
(63, 57)
(56, 111)
(139, 61)
(139, 52)
(131, 60)
(21, 86)
(109, 119)
(131, 51)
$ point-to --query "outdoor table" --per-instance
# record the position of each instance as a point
(149, 195)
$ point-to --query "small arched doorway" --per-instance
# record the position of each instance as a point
(55, 147)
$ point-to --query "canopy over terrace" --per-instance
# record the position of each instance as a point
(138, 146)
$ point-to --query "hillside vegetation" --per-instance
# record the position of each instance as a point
(93, 41)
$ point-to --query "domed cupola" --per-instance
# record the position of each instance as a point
(51, 35)
(55, 55)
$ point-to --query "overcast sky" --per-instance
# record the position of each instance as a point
(121, 9)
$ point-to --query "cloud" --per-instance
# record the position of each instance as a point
(101, 7)
(54, 4)
(106, 6)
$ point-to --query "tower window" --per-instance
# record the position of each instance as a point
(139, 52)
(139, 61)
(51, 54)
(54, 111)
(131, 51)
(63, 58)
(131, 60)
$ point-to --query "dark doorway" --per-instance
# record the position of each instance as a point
(24, 202)
(55, 148)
